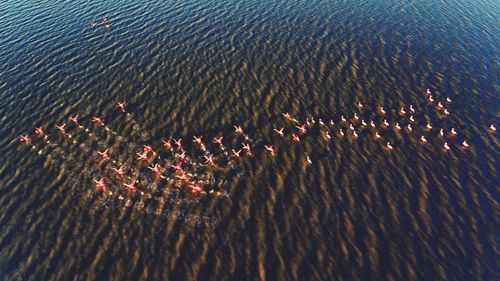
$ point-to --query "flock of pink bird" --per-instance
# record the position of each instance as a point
(195, 174)
(105, 23)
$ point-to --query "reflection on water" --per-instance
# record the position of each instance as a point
(193, 68)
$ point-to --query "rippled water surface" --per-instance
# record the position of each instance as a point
(185, 68)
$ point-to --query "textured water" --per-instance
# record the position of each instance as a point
(199, 67)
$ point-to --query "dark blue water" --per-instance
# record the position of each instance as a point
(190, 68)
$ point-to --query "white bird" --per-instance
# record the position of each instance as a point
(327, 135)
(280, 132)
(465, 144)
(386, 124)
(388, 146)
(446, 147)
(382, 110)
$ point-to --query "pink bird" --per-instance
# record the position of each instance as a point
(247, 149)
(181, 156)
(302, 129)
(295, 138)
(238, 130)
(236, 154)
(167, 144)
(178, 143)
(178, 167)
(121, 106)
(100, 184)
(62, 128)
(199, 141)
(39, 131)
(287, 115)
(25, 138)
(131, 186)
(280, 132)
(147, 149)
(74, 119)
(104, 154)
(209, 160)
(218, 140)
(97, 121)
(270, 149)
(196, 188)
(156, 168)
(120, 172)
(183, 177)
(143, 156)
